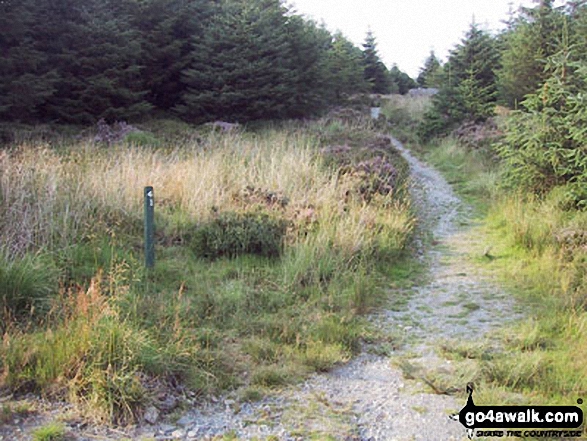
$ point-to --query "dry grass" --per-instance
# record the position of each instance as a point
(52, 199)
(112, 323)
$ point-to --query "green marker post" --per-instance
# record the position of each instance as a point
(149, 228)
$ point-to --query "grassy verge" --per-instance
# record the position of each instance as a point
(536, 247)
(270, 246)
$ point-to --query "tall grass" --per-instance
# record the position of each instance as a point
(27, 285)
(543, 259)
(472, 172)
(404, 114)
(64, 198)
(248, 317)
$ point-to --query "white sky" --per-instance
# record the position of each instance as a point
(406, 30)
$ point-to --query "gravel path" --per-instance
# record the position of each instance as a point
(380, 397)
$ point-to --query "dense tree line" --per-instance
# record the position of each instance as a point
(538, 68)
(485, 70)
(78, 61)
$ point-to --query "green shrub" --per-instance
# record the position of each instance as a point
(140, 138)
(544, 145)
(232, 234)
(26, 286)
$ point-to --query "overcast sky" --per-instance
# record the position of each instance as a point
(406, 30)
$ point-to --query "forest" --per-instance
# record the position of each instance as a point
(274, 239)
(77, 62)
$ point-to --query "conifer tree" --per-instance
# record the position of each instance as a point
(577, 24)
(430, 74)
(238, 69)
(99, 62)
(27, 78)
(309, 88)
(468, 91)
(167, 28)
(530, 39)
(544, 144)
(77, 61)
(375, 73)
(402, 81)
(345, 69)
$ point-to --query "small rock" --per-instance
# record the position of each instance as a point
(192, 434)
(178, 434)
(166, 428)
(185, 421)
(168, 404)
(151, 415)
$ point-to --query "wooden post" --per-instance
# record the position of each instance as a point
(149, 228)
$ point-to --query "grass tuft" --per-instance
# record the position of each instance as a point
(50, 432)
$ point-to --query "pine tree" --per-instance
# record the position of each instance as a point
(345, 67)
(375, 73)
(429, 74)
(476, 56)
(99, 61)
(239, 68)
(468, 91)
(531, 38)
(401, 80)
(78, 61)
(577, 23)
(544, 144)
(167, 28)
(27, 77)
(308, 84)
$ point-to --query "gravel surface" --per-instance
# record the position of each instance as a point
(375, 397)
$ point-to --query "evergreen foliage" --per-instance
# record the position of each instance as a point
(530, 39)
(375, 73)
(577, 23)
(86, 60)
(401, 81)
(26, 77)
(545, 143)
(99, 62)
(430, 74)
(345, 68)
(168, 27)
(70, 61)
(468, 90)
(239, 69)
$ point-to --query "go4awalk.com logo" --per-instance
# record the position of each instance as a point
(520, 421)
